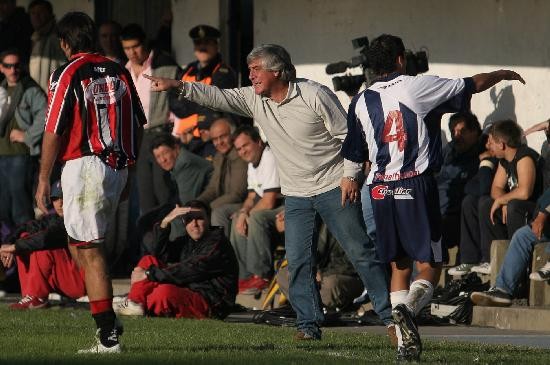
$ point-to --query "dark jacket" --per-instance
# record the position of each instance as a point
(207, 266)
(224, 78)
(480, 184)
(45, 233)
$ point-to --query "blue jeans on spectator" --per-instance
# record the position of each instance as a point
(16, 190)
(368, 213)
(517, 259)
(347, 226)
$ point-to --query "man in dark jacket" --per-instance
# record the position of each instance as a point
(194, 276)
(44, 262)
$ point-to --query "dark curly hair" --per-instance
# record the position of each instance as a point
(382, 53)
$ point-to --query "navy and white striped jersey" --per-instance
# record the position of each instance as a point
(396, 124)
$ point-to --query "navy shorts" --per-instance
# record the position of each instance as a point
(408, 220)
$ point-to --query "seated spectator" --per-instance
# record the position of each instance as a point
(44, 262)
(339, 283)
(226, 189)
(189, 172)
(514, 190)
(476, 190)
(194, 276)
(518, 257)
(460, 164)
(200, 145)
(253, 225)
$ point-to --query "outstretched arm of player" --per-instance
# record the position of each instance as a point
(542, 126)
(485, 81)
(50, 148)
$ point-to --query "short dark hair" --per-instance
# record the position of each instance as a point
(44, 3)
(198, 204)
(78, 30)
(133, 31)
(10, 52)
(507, 131)
(250, 131)
(470, 121)
(383, 52)
(164, 139)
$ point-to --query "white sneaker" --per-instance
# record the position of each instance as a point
(128, 308)
(460, 270)
(98, 348)
(541, 274)
(483, 268)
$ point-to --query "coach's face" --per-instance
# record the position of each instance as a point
(262, 79)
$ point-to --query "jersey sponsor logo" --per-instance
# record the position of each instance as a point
(398, 175)
(380, 192)
(106, 90)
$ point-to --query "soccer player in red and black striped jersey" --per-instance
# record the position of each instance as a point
(93, 126)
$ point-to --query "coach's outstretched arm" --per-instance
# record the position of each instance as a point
(485, 81)
(236, 101)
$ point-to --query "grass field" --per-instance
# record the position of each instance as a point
(53, 336)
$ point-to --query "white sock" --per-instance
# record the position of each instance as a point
(398, 297)
(420, 294)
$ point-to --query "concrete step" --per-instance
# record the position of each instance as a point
(512, 318)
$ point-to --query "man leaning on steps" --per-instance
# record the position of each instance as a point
(518, 258)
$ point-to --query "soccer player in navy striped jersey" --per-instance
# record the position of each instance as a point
(396, 125)
(93, 126)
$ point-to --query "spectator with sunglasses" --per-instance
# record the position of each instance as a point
(194, 276)
(21, 129)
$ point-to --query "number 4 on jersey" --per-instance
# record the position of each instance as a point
(400, 135)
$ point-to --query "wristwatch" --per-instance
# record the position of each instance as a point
(351, 178)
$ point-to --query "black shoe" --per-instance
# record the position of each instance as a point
(412, 346)
(493, 297)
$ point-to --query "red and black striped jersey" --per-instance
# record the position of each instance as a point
(93, 105)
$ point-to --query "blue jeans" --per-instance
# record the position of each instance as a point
(347, 226)
(16, 189)
(368, 213)
(517, 259)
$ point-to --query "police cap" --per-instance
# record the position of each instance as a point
(202, 31)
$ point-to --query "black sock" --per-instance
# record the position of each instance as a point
(108, 333)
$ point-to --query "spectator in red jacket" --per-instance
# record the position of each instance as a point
(194, 276)
(44, 262)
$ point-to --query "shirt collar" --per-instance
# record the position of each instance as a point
(390, 77)
(291, 93)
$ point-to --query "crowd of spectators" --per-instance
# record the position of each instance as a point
(199, 169)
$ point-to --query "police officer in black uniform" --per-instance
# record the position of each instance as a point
(209, 69)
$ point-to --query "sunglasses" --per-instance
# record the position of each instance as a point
(11, 65)
(190, 217)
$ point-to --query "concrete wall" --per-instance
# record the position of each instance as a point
(187, 14)
(463, 38)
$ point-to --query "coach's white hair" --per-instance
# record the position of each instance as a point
(274, 58)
